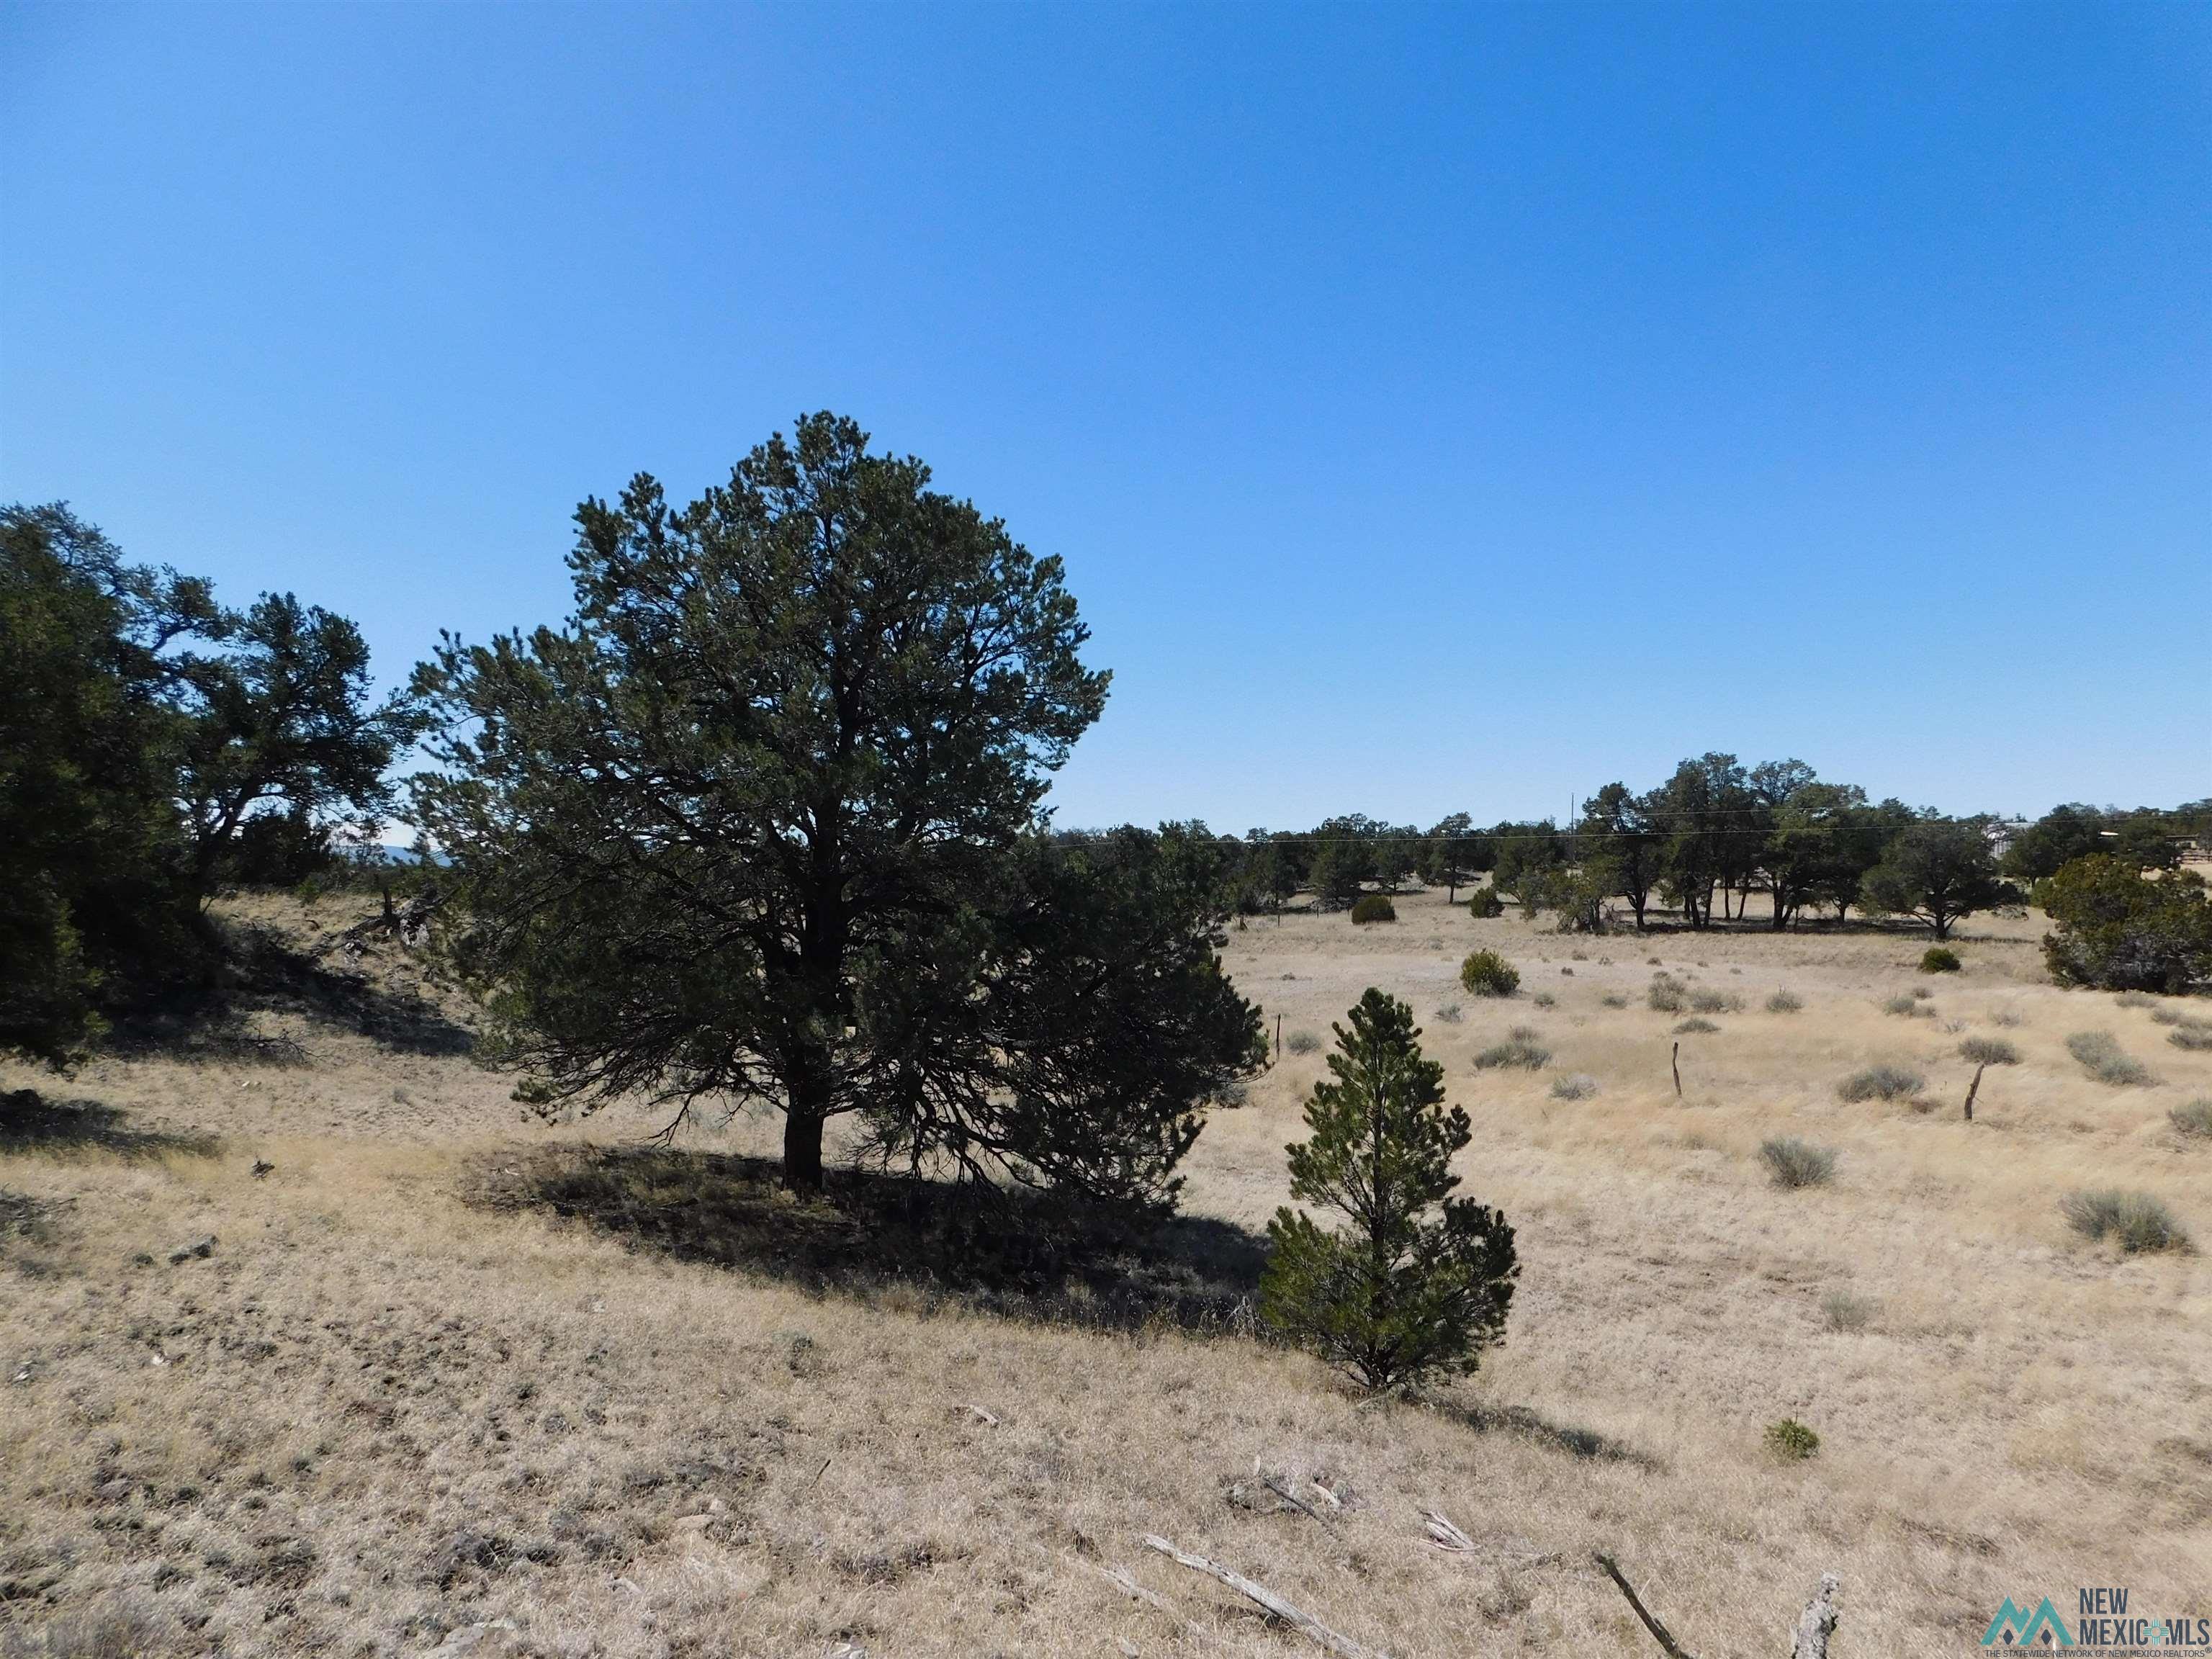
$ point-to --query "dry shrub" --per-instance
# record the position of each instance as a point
(1715, 1002)
(1695, 1028)
(1988, 1051)
(1845, 1312)
(2192, 1033)
(1794, 1162)
(2195, 1118)
(2137, 1222)
(2100, 1055)
(1519, 1050)
(1668, 995)
(1581, 1086)
(1785, 1002)
(1302, 1043)
(1881, 1082)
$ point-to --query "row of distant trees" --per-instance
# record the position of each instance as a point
(1704, 842)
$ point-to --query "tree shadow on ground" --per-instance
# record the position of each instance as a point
(1524, 1423)
(896, 1239)
(29, 1123)
(264, 973)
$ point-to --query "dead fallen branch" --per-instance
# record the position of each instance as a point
(1659, 1632)
(1443, 1534)
(980, 1415)
(1306, 1623)
(1125, 1582)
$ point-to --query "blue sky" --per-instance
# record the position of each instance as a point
(1436, 409)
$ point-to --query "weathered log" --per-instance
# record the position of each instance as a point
(1817, 1622)
(1334, 1641)
(1125, 1582)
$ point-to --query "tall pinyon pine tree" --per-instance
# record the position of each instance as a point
(1418, 1282)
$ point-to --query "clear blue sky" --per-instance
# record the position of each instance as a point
(1436, 409)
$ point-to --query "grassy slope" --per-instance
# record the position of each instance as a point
(405, 1393)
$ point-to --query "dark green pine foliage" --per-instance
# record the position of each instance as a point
(1418, 1282)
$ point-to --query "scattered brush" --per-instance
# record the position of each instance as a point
(1520, 1048)
(1668, 995)
(1614, 999)
(1791, 1440)
(2193, 1034)
(1794, 1162)
(1545, 999)
(1715, 1002)
(1989, 1051)
(1581, 1087)
(2163, 1015)
(1910, 1007)
(1845, 1312)
(1487, 974)
(1881, 1082)
(2101, 1057)
(2195, 1118)
(1785, 1002)
(2137, 1222)
(2007, 1017)
(2136, 999)
(1302, 1043)
(1694, 1027)
(1449, 1013)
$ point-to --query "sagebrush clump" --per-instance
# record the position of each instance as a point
(1519, 1050)
(1715, 1002)
(1576, 1086)
(1695, 1027)
(2190, 1034)
(1487, 974)
(1666, 994)
(2195, 1118)
(1940, 959)
(1842, 1311)
(1794, 1162)
(1988, 1051)
(1881, 1082)
(1785, 1002)
(2101, 1056)
(1302, 1043)
(2137, 1221)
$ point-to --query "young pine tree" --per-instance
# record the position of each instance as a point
(1418, 1282)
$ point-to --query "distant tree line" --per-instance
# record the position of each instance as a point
(1704, 843)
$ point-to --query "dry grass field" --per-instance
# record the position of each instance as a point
(445, 1367)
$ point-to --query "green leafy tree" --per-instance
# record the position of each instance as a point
(1620, 847)
(1810, 850)
(2057, 838)
(1344, 859)
(1417, 1282)
(760, 824)
(1701, 811)
(2118, 930)
(1447, 855)
(1528, 854)
(283, 739)
(1937, 871)
(90, 839)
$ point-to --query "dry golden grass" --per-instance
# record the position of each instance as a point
(446, 1365)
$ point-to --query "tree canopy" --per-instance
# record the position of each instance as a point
(761, 822)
